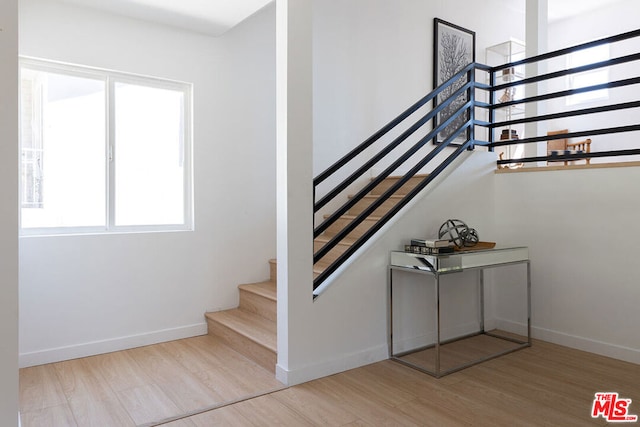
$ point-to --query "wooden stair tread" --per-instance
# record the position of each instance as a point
(324, 238)
(252, 326)
(418, 175)
(377, 196)
(266, 289)
(321, 265)
(352, 217)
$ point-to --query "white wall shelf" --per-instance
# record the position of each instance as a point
(503, 53)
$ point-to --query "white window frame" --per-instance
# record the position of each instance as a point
(110, 79)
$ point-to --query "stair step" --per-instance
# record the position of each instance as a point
(260, 298)
(391, 180)
(248, 333)
(325, 237)
(366, 201)
(356, 210)
(334, 253)
(344, 220)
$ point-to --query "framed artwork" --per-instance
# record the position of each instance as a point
(454, 48)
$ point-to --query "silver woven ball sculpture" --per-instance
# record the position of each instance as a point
(459, 233)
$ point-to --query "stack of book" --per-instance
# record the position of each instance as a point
(429, 247)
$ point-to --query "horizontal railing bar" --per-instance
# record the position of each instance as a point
(482, 123)
(566, 51)
(389, 126)
(619, 129)
(569, 92)
(380, 223)
(384, 152)
(585, 111)
(576, 156)
(364, 191)
(482, 105)
(483, 86)
(567, 72)
(482, 67)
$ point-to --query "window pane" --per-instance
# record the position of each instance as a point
(589, 56)
(149, 149)
(63, 150)
(588, 78)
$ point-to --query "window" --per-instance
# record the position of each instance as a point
(588, 78)
(103, 151)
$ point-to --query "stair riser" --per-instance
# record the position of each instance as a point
(273, 271)
(389, 182)
(243, 345)
(258, 304)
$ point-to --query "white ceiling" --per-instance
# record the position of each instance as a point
(212, 17)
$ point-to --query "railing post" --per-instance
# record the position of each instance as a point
(492, 111)
(472, 109)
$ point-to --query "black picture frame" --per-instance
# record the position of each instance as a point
(454, 48)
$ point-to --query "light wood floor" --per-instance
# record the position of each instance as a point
(139, 386)
(545, 385)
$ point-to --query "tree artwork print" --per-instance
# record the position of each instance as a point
(454, 49)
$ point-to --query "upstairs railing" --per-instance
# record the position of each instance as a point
(473, 109)
(632, 77)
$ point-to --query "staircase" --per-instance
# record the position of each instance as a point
(358, 208)
(250, 329)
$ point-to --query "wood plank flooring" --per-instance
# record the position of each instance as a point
(140, 386)
(545, 385)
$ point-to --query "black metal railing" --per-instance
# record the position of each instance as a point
(419, 129)
(467, 110)
(540, 98)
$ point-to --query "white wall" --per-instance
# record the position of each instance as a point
(346, 326)
(371, 60)
(374, 58)
(9, 213)
(600, 23)
(82, 295)
(580, 226)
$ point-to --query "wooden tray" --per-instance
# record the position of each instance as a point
(480, 246)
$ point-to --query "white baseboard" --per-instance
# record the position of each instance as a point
(107, 346)
(341, 364)
(510, 326)
(615, 351)
(409, 344)
(365, 357)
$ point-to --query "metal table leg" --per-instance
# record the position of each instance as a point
(437, 280)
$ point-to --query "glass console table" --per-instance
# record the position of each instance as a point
(428, 358)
